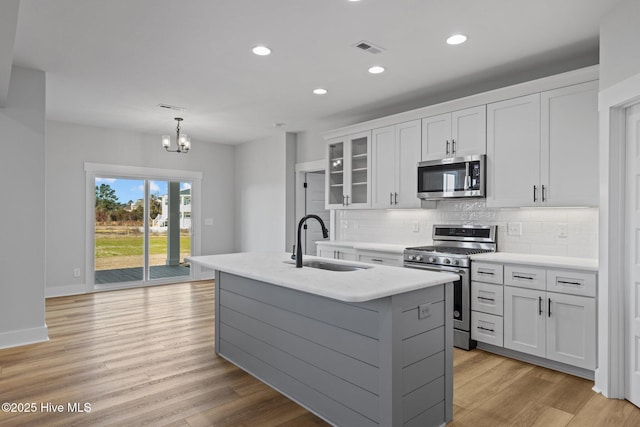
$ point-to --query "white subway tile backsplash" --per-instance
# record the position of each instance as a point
(540, 226)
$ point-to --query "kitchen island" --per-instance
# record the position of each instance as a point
(368, 347)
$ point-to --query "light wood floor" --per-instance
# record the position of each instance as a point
(145, 356)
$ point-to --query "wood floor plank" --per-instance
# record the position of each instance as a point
(145, 356)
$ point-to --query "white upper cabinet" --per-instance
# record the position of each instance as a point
(569, 140)
(513, 151)
(348, 181)
(456, 134)
(542, 149)
(395, 156)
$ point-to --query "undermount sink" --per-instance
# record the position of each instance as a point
(323, 265)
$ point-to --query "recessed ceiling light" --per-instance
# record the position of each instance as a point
(320, 91)
(261, 50)
(376, 69)
(457, 39)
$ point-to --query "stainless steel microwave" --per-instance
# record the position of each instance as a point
(452, 177)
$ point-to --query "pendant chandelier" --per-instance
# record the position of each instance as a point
(183, 141)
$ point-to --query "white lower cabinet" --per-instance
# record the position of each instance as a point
(487, 328)
(571, 330)
(534, 309)
(380, 258)
(524, 320)
(335, 252)
(370, 256)
(556, 326)
(487, 303)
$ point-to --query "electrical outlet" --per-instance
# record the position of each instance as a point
(563, 230)
(514, 229)
(208, 221)
(344, 223)
(416, 226)
(424, 310)
(76, 272)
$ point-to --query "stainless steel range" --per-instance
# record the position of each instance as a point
(452, 246)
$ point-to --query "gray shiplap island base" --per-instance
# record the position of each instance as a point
(381, 354)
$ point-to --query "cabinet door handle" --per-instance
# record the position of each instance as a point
(390, 198)
(486, 299)
(347, 197)
(482, 328)
(535, 190)
(539, 306)
(395, 195)
(447, 146)
(543, 196)
(517, 276)
(343, 199)
(549, 312)
(453, 146)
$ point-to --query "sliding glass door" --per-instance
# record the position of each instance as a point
(142, 230)
(169, 229)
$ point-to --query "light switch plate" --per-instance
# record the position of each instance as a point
(563, 230)
(208, 221)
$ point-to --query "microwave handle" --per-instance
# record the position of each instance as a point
(467, 177)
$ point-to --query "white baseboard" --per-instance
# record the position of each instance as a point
(24, 337)
(63, 291)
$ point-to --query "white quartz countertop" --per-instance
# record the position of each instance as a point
(539, 260)
(375, 282)
(367, 246)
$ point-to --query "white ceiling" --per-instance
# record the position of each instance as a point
(110, 63)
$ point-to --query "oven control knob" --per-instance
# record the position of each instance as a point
(456, 262)
(418, 258)
(411, 257)
(446, 261)
(432, 259)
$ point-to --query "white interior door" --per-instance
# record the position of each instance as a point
(314, 204)
(632, 262)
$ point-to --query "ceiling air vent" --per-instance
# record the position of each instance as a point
(171, 107)
(368, 47)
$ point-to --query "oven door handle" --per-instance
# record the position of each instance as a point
(461, 272)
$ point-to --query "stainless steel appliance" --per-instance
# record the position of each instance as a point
(452, 177)
(452, 246)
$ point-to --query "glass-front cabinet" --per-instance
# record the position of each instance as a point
(349, 172)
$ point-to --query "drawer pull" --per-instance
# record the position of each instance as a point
(376, 260)
(482, 328)
(490, 273)
(486, 299)
(565, 282)
(518, 276)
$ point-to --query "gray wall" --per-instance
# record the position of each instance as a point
(22, 225)
(69, 146)
(619, 39)
(263, 212)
